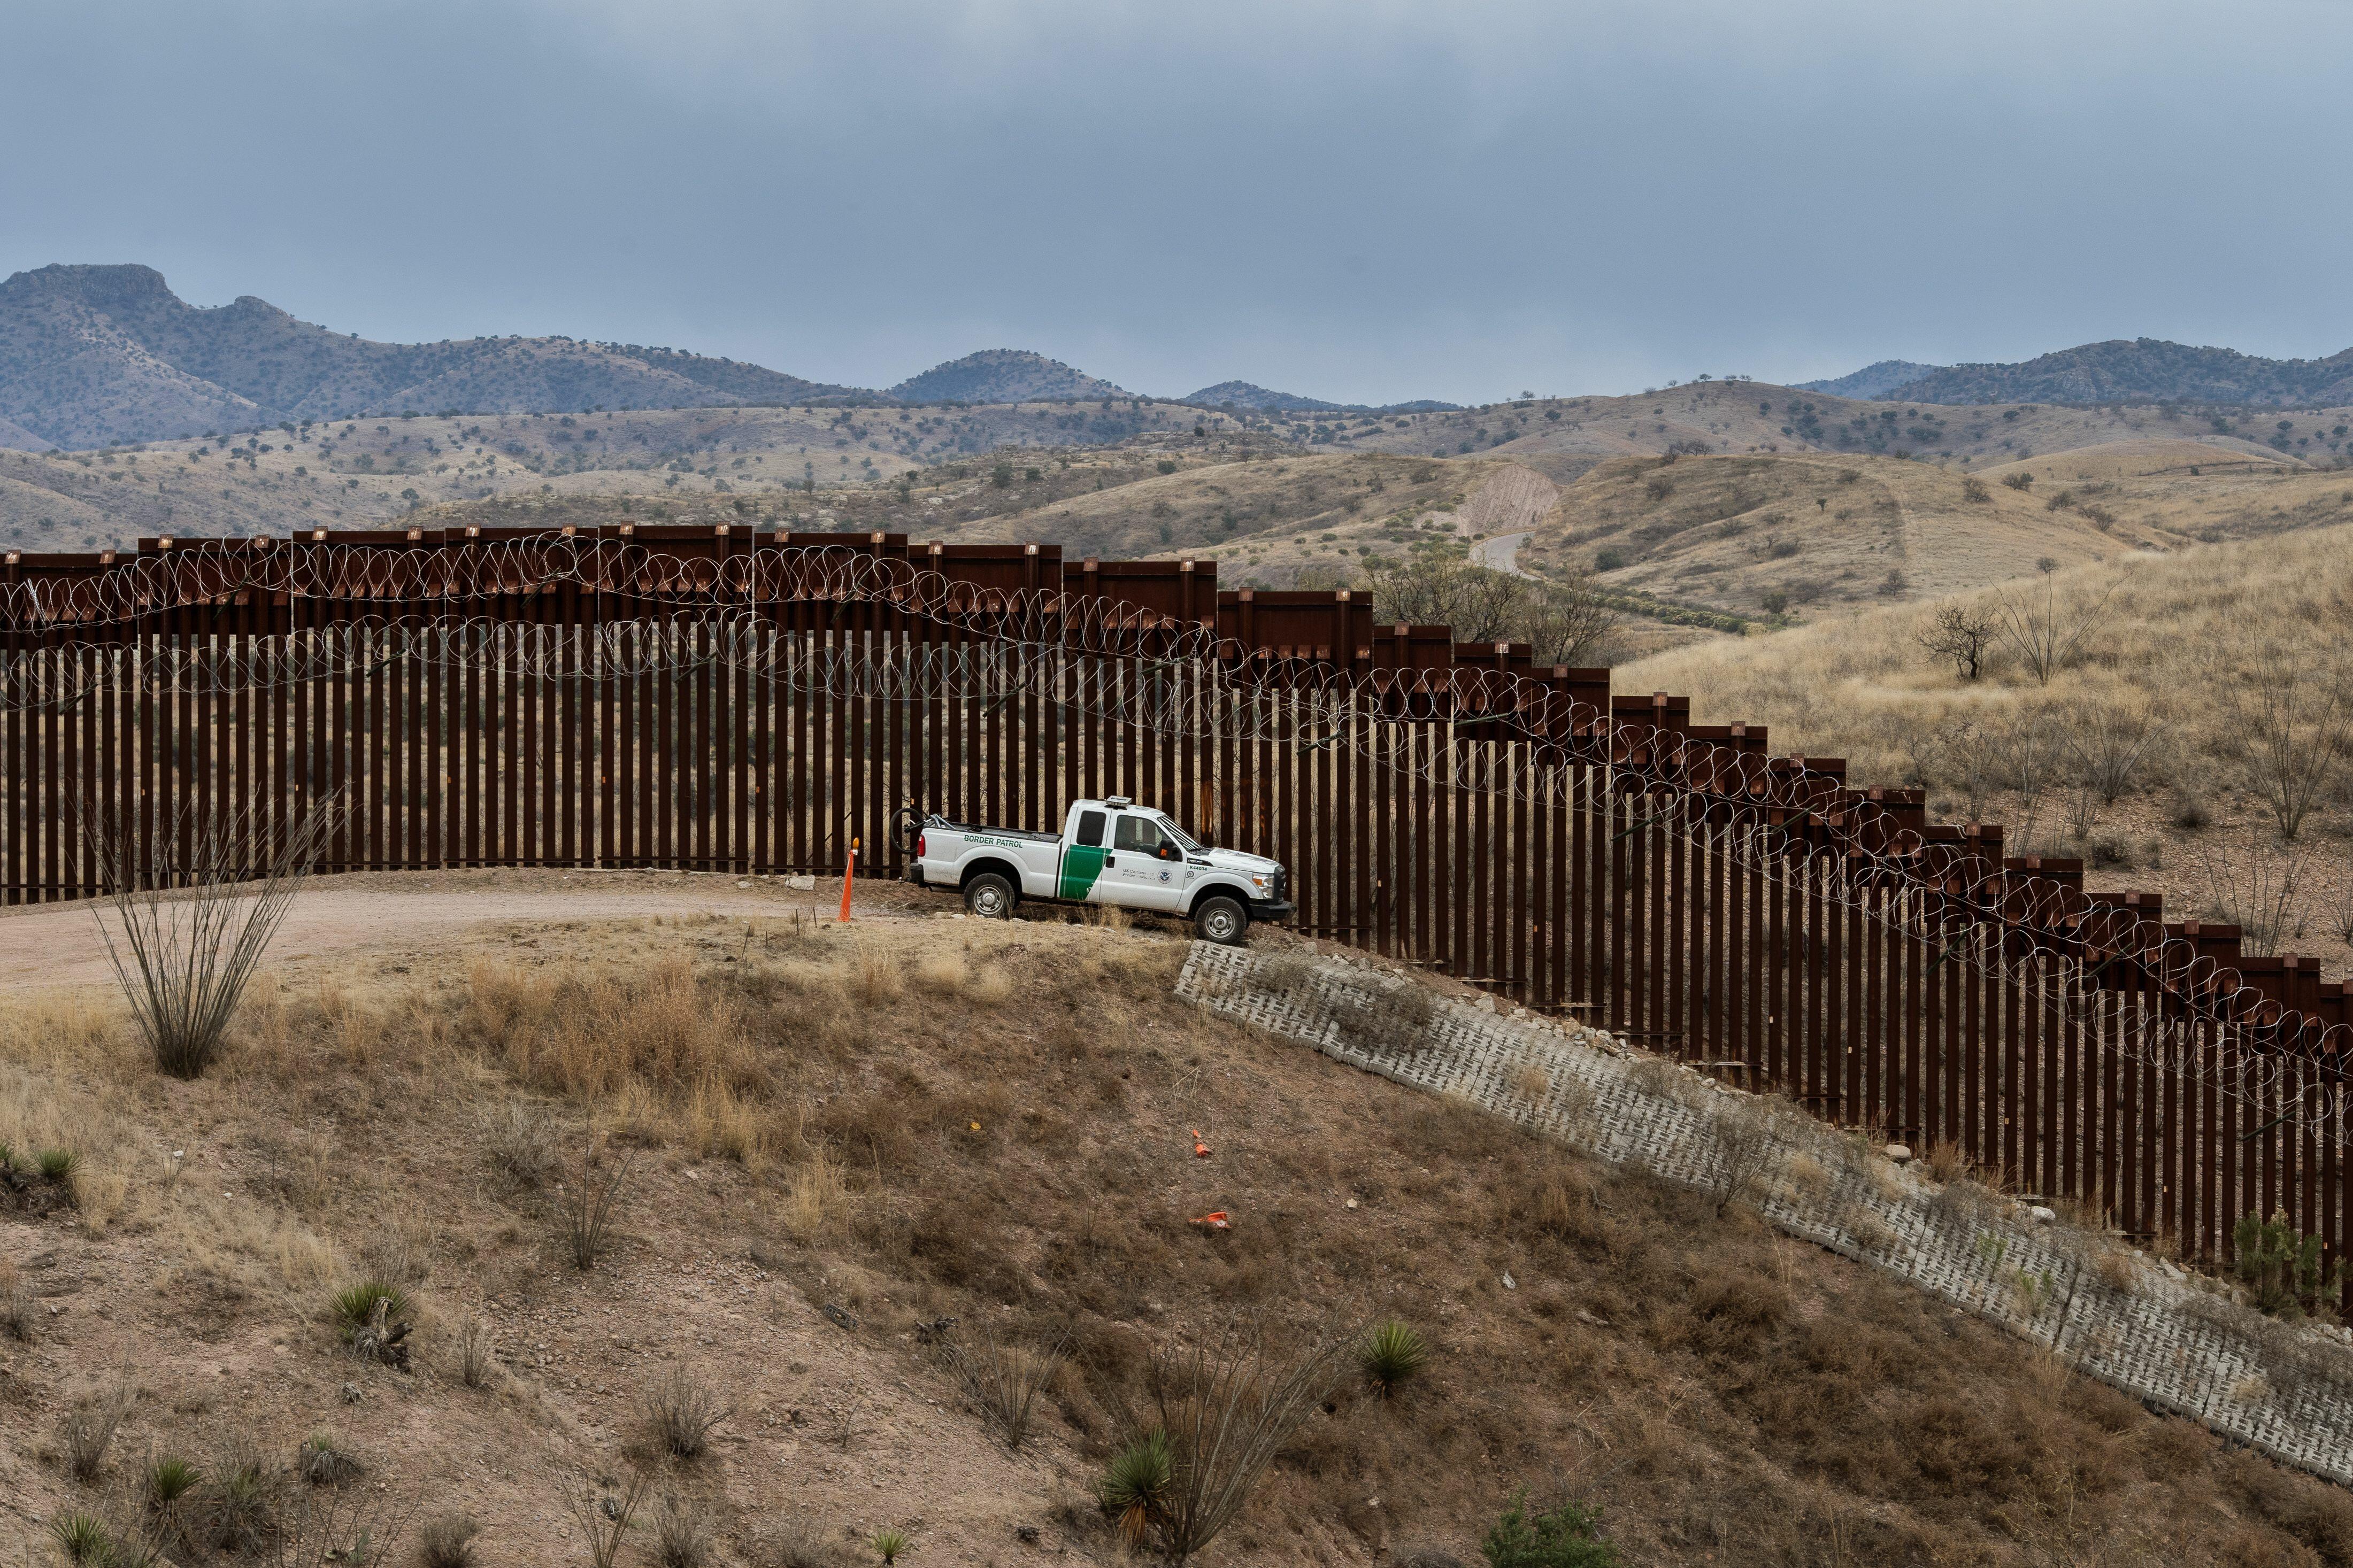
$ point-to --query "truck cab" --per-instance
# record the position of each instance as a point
(1110, 851)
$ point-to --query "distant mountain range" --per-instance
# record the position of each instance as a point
(2141, 370)
(90, 355)
(94, 355)
(1262, 400)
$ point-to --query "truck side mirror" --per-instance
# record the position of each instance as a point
(1166, 851)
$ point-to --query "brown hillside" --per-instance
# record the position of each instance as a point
(916, 1121)
(1747, 534)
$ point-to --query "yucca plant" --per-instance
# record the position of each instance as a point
(170, 1478)
(355, 1304)
(890, 1544)
(1135, 1487)
(82, 1538)
(58, 1165)
(1391, 1353)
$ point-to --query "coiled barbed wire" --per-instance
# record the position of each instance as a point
(649, 611)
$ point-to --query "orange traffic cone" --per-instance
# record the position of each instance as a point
(846, 875)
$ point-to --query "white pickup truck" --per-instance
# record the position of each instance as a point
(1109, 852)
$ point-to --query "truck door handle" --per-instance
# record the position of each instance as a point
(1110, 861)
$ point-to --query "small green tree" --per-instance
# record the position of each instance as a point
(1560, 1537)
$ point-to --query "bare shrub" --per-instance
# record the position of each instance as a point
(2047, 629)
(195, 912)
(87, 1431)
(602, 1509)
(15, 1302)
(1225, 1410)
(1395, 1021)
(1003, 1379)
(1747, 1152)
(2109, 741)
(1960, 634)
(358, 1525)
(1286, 975)
(2296, 723)
(682, 1532)
(2256, 884)
(595, 1190)
(476, 1363)
(447, 1541)
(681, 1412)
(796, 1544)
(238, 1510)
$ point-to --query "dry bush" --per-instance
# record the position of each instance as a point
(2294, 714)
(2117, 1269)
(476, 1361)
(2257, 885)
(1225, 1410)
(1395, 1020)
(1747, 1151)
(322, 1462)
(680, 1414)
(519, 1137)
(185, 946)
(813, 1191)
(601, 1510)
(874, 979)
(593, 1193)
(86, 1430)
(447, 1541)
(1290, 976)
(1531, 1082)
(15, 1302)
(796, 1544)
(1003, 1379)
(682, 1532)
(238, 1511)
(356, 1525)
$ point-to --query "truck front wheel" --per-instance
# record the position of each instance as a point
(990, 897)
(1221, 920)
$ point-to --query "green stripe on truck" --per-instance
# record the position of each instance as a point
(1080, 867)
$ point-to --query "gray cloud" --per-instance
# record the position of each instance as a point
(1361, 200)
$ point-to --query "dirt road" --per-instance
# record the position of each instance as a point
(1502, 553)
(59, 944)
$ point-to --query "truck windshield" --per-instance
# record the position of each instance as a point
(1184, 839)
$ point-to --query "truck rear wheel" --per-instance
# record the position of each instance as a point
(1221, 920)
(990, 897)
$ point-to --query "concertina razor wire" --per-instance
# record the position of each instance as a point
(2150, 994)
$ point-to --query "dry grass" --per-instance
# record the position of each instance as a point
(87, 1431)
(2179, 639)
(1713, 1389)
(1003, 1379)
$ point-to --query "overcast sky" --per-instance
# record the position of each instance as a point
(1358, 199)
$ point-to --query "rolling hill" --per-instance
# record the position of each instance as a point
(2143, 369)
(97, 355)
(1802, 533)
(1004, 376)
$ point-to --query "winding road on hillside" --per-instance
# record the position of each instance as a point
(1502, 553)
